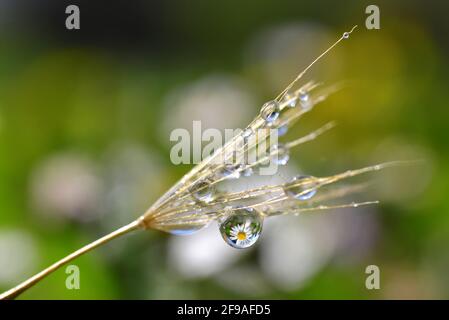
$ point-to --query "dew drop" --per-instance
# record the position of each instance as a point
(303, 96)
(247, 172)
(290, 99)
(299, 188)
(187, 230)
(282, 130)
(242, 228)
(346, 35)
(304, 100)
(270, 112)
(230, 171)
(203, 191)
(248, 132)
(282, 154)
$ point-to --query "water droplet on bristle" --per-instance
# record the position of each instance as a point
(248, 132)
(242, 228)
(270, 112)
(282, 154)
(186, 230)
(301, 188)
(282, 130)
(304, 100)
(203, 191)
(230, 171)
(247, 172)
(290, 99)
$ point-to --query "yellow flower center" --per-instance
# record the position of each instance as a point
(241, 235)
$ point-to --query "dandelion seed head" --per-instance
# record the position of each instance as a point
(192, 203)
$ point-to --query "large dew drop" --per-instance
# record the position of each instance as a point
(203, 191)
(301, 188)
(270, 112)
(242, 228)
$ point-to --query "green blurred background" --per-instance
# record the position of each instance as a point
(85, 117)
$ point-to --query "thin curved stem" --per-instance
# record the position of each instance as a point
(17, 290)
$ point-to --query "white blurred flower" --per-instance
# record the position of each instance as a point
(293, 249)
(18, 256)
(219, 101)
(357, 231)
(202, 254)
(66, 185)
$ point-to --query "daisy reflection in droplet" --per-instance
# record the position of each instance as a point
(241, 234)
(242, 228)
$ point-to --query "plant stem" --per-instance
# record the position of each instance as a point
(14, 292)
